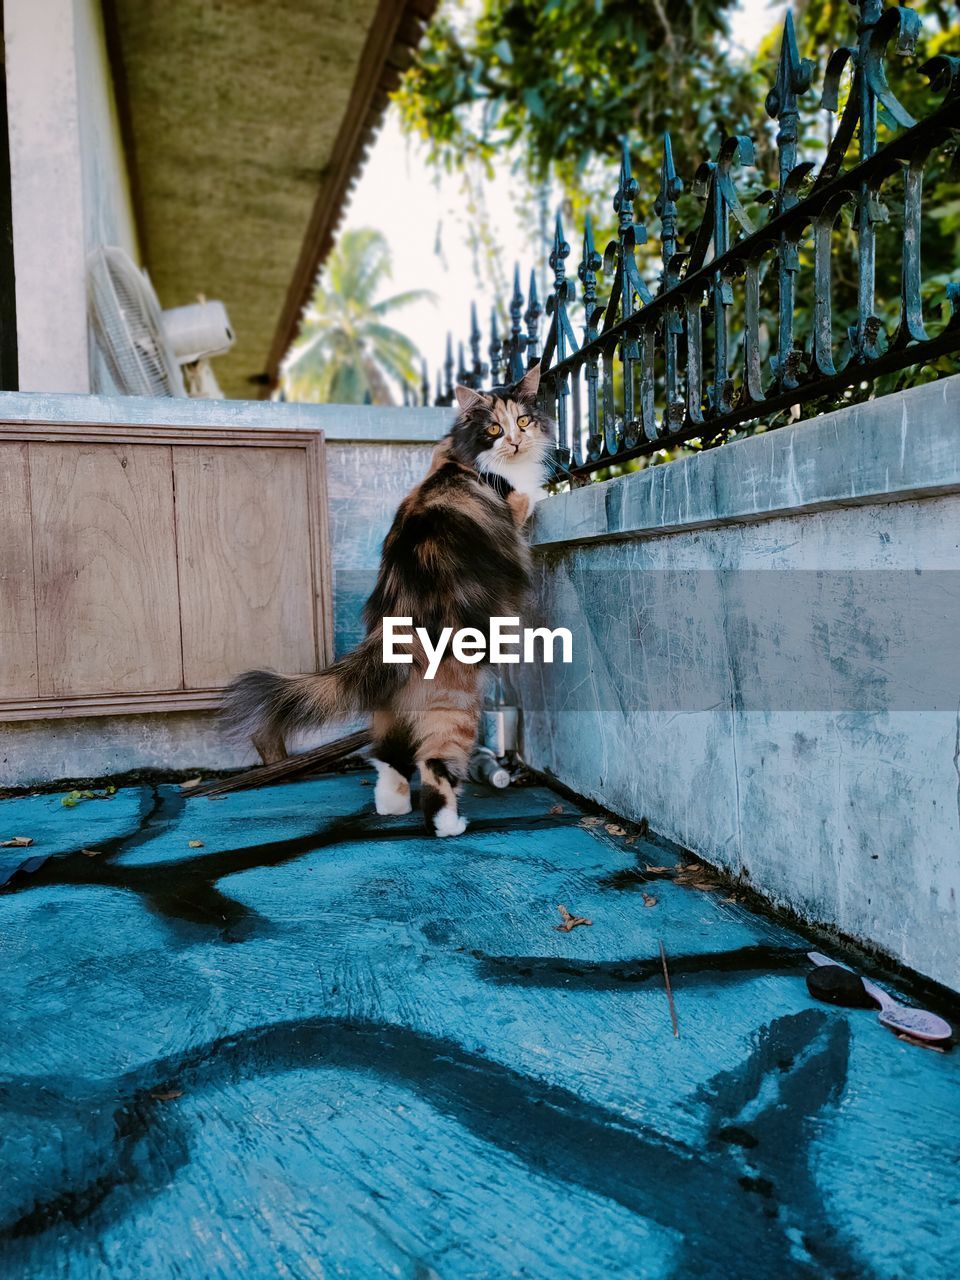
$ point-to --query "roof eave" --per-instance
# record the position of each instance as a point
(389, 49)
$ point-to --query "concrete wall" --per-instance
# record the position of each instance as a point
(374, 456)
(766, 645)
(366, 482)
(69, 182)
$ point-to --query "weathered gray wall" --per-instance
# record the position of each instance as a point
(779, 695)
(366, 482)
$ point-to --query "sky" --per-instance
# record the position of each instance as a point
(422, 216)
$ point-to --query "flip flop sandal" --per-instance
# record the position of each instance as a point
(837, 984)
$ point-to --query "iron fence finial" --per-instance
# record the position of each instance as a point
(495, 349)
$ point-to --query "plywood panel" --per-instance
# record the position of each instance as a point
(18, 632)
(105, 547)
(246, 571)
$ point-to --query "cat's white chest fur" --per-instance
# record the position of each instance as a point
(526, 475)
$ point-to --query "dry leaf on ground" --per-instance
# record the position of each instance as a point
(697, 876)
(589, 822)
(569, 921)
(190, 784)
(649, 900)
(91, 853)
(613, 830)
(18, 842)
(167, 1095)
(195, 844)
(557, 808)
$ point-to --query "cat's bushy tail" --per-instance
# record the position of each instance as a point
(268, 704)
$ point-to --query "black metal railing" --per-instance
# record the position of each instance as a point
(692, 355)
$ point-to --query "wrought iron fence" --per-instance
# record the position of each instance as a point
(677, 359)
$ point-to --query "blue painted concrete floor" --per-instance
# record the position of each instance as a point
(320, 1044)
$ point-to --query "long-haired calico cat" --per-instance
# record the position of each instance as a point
(455, 556)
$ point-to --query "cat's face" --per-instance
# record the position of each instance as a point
(503, 431)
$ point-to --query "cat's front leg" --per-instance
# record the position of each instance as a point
(520, 506)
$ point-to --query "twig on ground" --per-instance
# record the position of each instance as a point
(666, 979)
(325, 757)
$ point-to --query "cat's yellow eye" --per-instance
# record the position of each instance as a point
(523, 421)
(493, 430)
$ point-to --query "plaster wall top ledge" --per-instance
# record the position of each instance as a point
(898, 447)
(385, 424)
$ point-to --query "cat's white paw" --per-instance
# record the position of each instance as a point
(389, 806)
(392, 794)
(447, 822)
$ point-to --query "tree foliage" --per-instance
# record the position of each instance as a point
(557, 84)
(560, 81)
(345, 352)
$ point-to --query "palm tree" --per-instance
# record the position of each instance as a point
(344, 353)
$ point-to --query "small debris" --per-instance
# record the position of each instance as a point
(73, 798)
(666, 981)
(190, 784)
(569, 921)
(167, 1095)
(18, 842)
(613, 830)
(92, 853)
(696, 875)
(589, 822)
(194, 844)
(557, 808)
(649, 900)
(921, 1044)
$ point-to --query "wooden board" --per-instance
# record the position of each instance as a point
(93, 518)
(107, 595)
(18, 641)
(243, 547)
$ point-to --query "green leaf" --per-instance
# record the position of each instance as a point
(534, 103)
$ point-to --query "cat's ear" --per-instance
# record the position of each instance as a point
(528, 384)
(467, 398)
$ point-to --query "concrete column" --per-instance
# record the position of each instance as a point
(43, 103)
